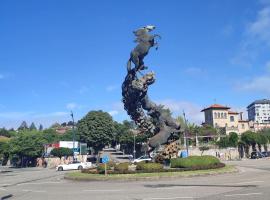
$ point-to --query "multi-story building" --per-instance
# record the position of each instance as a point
(220, 116)
(259, 114)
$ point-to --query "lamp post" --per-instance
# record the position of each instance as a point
(134, 146)
(73, 135)
(185, 136)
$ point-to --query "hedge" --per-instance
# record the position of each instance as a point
(194, 162)
(121, 167)
(149, 166)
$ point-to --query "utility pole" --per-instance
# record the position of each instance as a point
(73, 135)
(185, 136)
(134, 147)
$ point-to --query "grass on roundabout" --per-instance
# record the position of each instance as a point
(147, 176)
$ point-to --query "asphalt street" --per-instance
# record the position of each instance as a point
(251, 182)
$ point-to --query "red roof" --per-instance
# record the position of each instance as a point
(233, 113)
(216, 106)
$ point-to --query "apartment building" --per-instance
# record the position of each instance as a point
(259, 114)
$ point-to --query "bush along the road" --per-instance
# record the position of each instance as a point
(122, 167)
(151, 167)
(101, 167)
(194, 162)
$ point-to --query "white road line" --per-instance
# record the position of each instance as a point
(3, 189)
(38, 191)
(174, 187)
(102, 190)
(248, 182)
(247, 194)
(168, 198)
(40, 183)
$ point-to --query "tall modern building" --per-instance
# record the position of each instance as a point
(259, 111)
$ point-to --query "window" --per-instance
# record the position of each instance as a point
(215, 115)
(218, 115)
(226, 125)
(232, 118)
(225, 115)
(222, 115)
(243, 126)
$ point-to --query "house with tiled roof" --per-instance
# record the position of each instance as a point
(220, 116)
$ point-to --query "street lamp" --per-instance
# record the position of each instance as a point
(185, 136)
(134, 146)
(73, 135)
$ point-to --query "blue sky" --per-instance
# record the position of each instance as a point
(61, 55)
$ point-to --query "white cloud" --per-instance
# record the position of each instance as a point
(192, 111)
(111, 88)
(260, 28)
(113, 112)
(72, 106)
(256, 36)
(257, 84)
(14, 119)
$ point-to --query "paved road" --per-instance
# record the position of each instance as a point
(252, 182)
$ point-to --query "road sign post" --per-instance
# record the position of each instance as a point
(104, 160)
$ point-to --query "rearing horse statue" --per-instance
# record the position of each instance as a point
(145, 42)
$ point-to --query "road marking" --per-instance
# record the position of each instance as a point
(167, 198)
(248, 182)
(38, 191)
(40, 183)
(3, 189)
(174, 187)
(247, 194)
(102, 190)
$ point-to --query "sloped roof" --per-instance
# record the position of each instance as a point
(233, 113)
(216, 106)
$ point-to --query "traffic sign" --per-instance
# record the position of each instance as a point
(105, 159)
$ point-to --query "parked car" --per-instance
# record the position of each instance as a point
(74, 166)
(266, 153)
(142, 158)
(256, 155)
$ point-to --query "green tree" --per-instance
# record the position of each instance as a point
(233, 139)
(62, 151)
(4, 150)
(50, 136)
(32, 127)
(27, 144)
(249, 139)
(96, 129)
(23, 126)
(40, 128)
(55, 125)
(6, 133)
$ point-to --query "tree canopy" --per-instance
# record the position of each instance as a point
(96, 129)
(62, 151)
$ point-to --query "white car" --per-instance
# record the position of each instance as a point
(142, 158)
(74, 166)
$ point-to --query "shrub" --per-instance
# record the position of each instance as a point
(121, 167)
(101, 167)
(149, 166)
(194, 162)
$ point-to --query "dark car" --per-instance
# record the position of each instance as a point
(256, 155)
(266, 153)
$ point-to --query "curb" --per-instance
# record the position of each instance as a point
(150, 178)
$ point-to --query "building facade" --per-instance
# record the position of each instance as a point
(259, 111)
(220, 116)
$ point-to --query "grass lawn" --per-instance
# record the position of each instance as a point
(144, 176)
